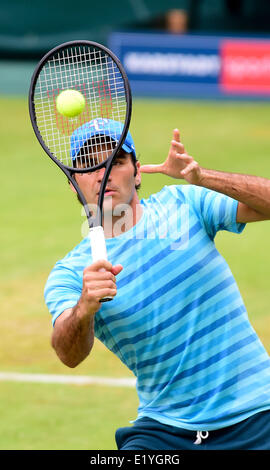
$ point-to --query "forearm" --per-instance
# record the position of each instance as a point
(253, 191)
(73, 337)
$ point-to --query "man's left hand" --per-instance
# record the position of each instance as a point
(178, 164)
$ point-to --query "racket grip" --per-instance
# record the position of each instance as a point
(98, 244)
(98, 248)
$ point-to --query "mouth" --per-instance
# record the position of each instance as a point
(109, 192)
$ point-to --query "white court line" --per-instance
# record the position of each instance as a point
(67, 379)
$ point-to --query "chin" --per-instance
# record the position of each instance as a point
(114, 205)
(108, 204)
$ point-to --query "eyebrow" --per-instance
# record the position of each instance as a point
(122, 155)
(84, 159)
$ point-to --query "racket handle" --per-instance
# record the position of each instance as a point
(98, 244)
(98, 248)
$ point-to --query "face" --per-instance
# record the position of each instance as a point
(120, 189)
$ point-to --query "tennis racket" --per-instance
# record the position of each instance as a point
(98, 75)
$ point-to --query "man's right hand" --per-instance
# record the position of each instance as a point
(99, 280)
(73, 333)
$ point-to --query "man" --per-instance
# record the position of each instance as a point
(177, 319)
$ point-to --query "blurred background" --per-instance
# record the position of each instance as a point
(200, 65)
(28, 31)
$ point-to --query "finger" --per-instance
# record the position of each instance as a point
(176, 135)
(151, 168)
(95, 285)
(97, 295)
(184, 157)
(178, 146)
(102, 293)
(192, 166)
(103, 275)
(98, 265)
(117, 269)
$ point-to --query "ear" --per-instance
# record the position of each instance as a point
(138, 175)
(72, 187)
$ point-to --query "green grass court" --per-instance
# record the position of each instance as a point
(41, 221)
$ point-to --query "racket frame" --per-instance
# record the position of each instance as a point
(93, 221)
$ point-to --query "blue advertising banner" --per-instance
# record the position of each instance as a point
(167, 65)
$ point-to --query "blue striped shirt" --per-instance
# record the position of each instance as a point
(178, 321)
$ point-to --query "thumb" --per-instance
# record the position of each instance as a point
(117, 269)
(151, 168)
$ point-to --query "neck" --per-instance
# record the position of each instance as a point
(122, 218)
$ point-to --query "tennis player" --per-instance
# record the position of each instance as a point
(177, 319)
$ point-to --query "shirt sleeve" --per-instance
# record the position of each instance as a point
(62, 290)
(215, 210)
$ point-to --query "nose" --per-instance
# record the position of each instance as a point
(100, 173)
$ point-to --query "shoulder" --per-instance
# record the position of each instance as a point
(181, 193)
(80, 251)
(71, 265)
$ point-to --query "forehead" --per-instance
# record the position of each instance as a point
(94, 151)
(97, 150)
(97, 144)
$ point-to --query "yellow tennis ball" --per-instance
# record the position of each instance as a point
(70, 103)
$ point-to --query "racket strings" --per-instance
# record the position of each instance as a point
(96, 75)
(94, 152)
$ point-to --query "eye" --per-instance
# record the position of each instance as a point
(118, 162)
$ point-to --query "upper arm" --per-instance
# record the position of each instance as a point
(62, 290)
(246, 214)
(215, 210)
